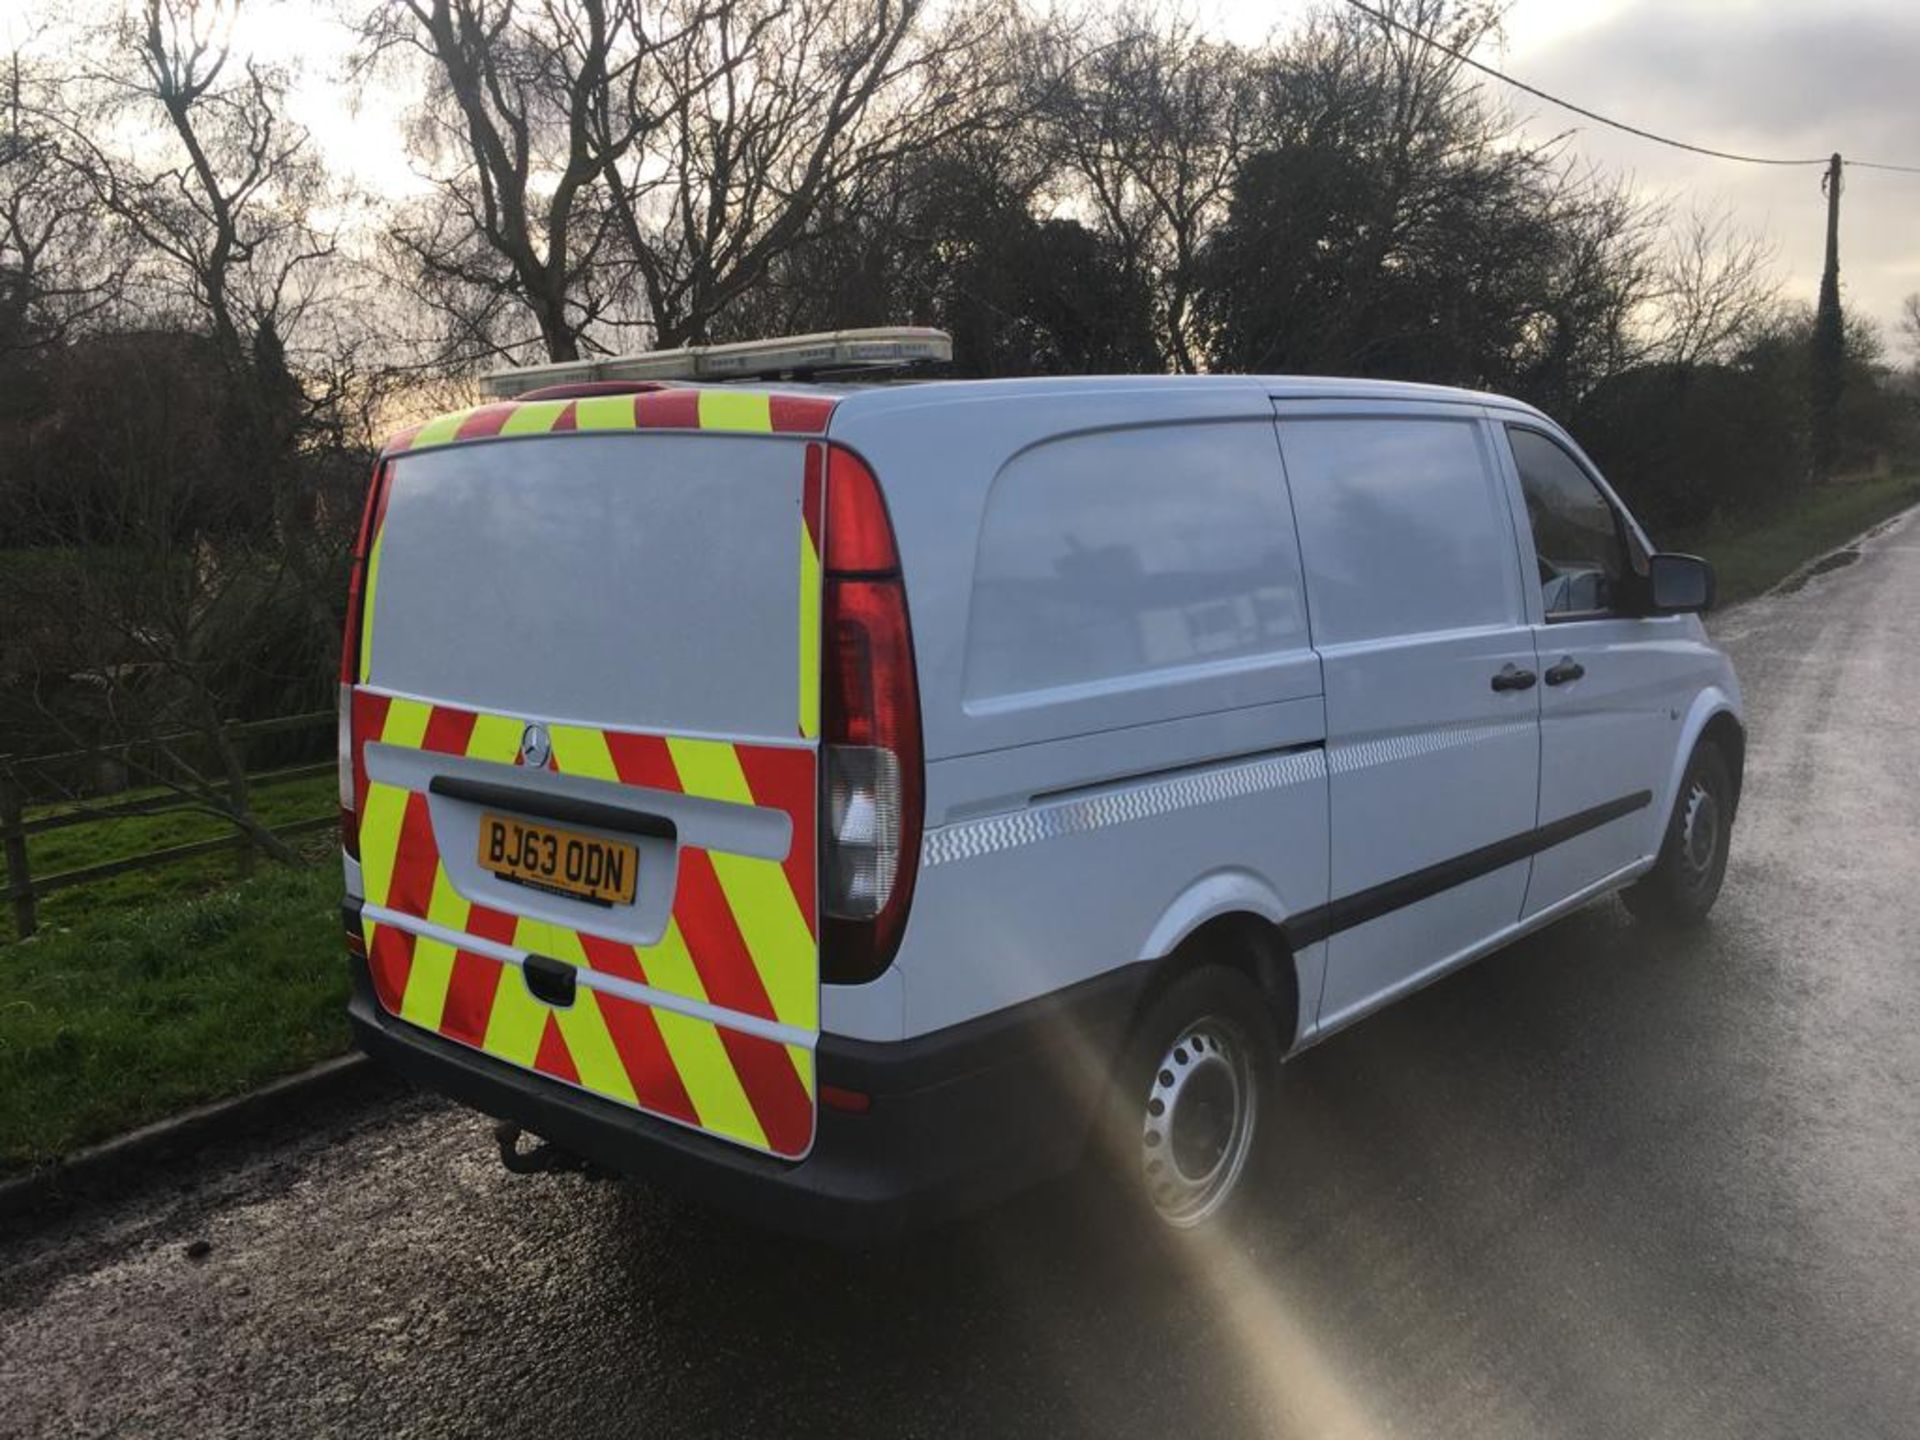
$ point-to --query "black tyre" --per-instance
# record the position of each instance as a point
(1685, 880)
(1199, 1072)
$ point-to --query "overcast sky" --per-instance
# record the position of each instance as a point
(1790, 77)
(1783, 78)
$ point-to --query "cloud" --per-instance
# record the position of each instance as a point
(1808, 79)
(1797, 81)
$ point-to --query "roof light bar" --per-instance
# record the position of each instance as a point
(829, 350)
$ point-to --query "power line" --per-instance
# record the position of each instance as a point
(1607, 120)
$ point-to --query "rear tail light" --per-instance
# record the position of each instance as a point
(875, 779)
(351, 639)
(863, 813)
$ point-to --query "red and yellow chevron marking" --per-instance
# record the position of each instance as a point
(686, 408)
(376, 531)
(741, 936)
(811, 492)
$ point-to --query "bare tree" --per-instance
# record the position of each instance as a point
(224, 214)
(1601, 272)
(528, 106)
(600, 165)
(179, 484)
(1154, 121)
(767, 110)
(1389, 222)
(60, 266)
(1717, 284)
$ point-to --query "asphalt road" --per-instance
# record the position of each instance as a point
(1606, 1183)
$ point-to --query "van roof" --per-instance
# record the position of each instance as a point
(873, 398)
(805, 409)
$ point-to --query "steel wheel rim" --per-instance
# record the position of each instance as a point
(1700, 832)
(1197, 1127)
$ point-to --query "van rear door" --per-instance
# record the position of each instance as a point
(584, 745)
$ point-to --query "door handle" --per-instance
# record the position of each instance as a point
(551, 981)
(1565, 669)
(1512, 677)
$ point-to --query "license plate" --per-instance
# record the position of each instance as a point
(584, 867)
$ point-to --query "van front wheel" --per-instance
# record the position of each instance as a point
(1201, 1069)
(1685, 880)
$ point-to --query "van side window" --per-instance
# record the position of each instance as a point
(1576, 534)
(1125, 552)
(1402, 526)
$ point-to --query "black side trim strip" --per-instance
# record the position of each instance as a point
(1388, 896)
(565, 808)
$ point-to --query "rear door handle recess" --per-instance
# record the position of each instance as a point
(1567, 668)
(544, 806)
(1512, 677)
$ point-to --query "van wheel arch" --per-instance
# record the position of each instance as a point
(1243, 941)
(1725, 734)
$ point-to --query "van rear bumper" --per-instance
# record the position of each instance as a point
(958, 1119)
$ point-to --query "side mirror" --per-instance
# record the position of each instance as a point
(1679, 585)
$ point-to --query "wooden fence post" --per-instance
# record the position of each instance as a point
(19, 877)
(237, 788)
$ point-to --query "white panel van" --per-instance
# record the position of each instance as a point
(847, 802)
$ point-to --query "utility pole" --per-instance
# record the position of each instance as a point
(1829, 367)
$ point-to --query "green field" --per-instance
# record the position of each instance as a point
(1750, 558)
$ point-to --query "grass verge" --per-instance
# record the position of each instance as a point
(1750, 558)
(112, 839)
(131, 1015)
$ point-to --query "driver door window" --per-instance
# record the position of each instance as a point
(1576, 535)
(1609, 676)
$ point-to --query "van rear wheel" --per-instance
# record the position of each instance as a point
(1187, 1109)
(1685, 880)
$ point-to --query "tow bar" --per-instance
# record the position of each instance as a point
(543, 1159)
